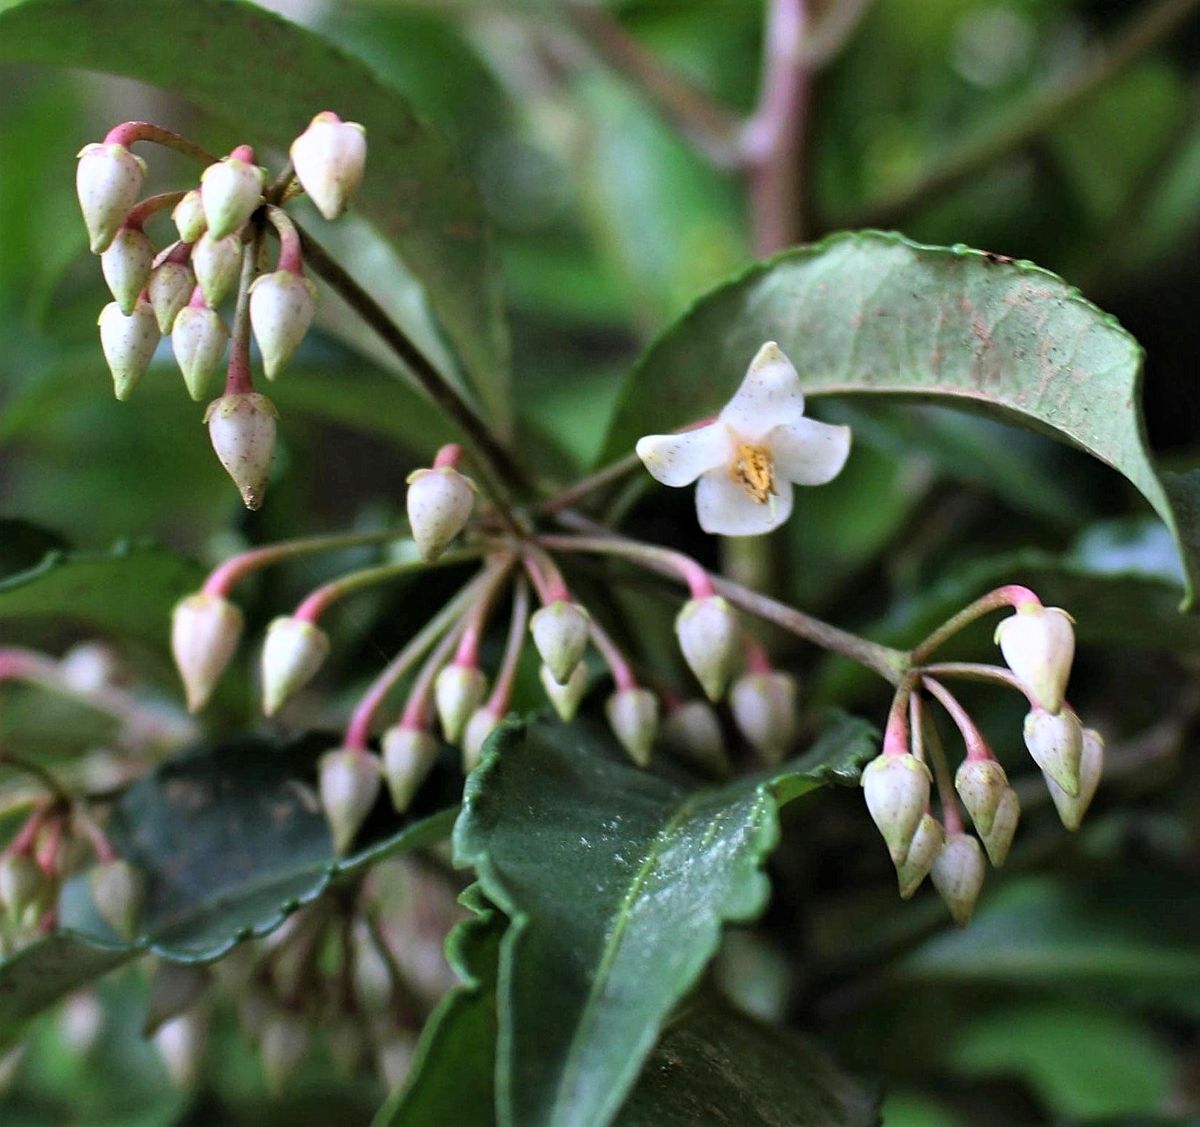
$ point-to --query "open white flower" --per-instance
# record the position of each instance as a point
(747, 460)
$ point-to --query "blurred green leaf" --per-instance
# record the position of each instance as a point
(24, 544)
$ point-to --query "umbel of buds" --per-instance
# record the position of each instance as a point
(293, 651)
(282, 305)
(1038, 643)
(350, 779)
(128, 344)
(764, 709)
(897, 793)
(633, 715)
(108, 181)
(205, 631)
(560, 633)
(408, 756)
(708, 636)
(565, 698)
(118, 892)
(439, 503)
(126, 266)
(242, 429)
(231, 190)
(329, 158)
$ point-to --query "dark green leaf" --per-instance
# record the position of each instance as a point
(24, 545)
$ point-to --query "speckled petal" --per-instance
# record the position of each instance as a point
(808, 452)
(770, 395)
(678, 459)
(724, 508)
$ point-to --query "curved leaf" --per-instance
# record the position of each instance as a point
(877, 314)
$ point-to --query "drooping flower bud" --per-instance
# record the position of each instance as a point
(198, 341)
(181, 1043)
(896, 788)
(282, 305)
(958, 872)
(708, 636)
(293, 651)
(693, 730)
(205, 631)
(217, 263)
(128, 344)
(170, 288)
(90, 667)
(565, 698)
(24, 890)
(349, 784)
(118, 892)
(230, 190)
(926, 844)
(1072, 808)
(981, 784)
(189, 216)
(633, 716)
(439, 504)
(1038, 644)
(458, 691)
(347, 1045)
(329, 158)
(393, 1059)
(283, 1043)
(82, 1022)
(764, 709)
(560, 633)
(242, 430)
(108, 181)
(408, 756)
(1055, 740)
(1004, 825)
(174, 989)
(482, 724)
(126, 266)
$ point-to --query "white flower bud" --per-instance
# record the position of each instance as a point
(482, 724)
(205, 631)
(128, 344)
(393, 1058)
(764, 709)
(439, 505)
(458, 691)
(896, 788)
(126, 266)
(230, 190)
(198, 341)
(118, 892)
(957, 874)
(217, 263)
(349, 784)
(283, 1044)
(181, 1043)
(565, 698)
(170, 288)
(998, 839)
(282, 305)
(174, 989)
(108, 181)
(25, 892)
(1038, 644)
(82, 1022)
(189, 216)
(926, 844)
(981, 784)
(292, 653)
(242, 430)
(633, 716)
(1055, 740)
(408, 756)
(329, 158)
(1072, 808)
(90, 667)
(694, 731)
(708, 636)
(560, 633)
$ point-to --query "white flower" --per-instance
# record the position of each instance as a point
(749, 457)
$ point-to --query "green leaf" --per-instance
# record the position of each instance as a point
(876, 314)
(617, 882)
(212, 52)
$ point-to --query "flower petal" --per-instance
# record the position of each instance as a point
(808, 452)
(770, 395)
(678, 459)
(724, 508)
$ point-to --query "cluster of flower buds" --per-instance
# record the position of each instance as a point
(178, 291)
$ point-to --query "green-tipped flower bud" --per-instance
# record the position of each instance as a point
(458, 691)
(174, 989)
(329, 158)
(282, 305)
(560, 633)
(408, 756)
(708, 636)
(283, 1044)
(1038, 644)
(482, 724)
(170, 289)
(1055, 740)
(981, 784)
(118, 892)
(242, 430)
(217, 263)
(693, 730)
(896, 788)
(957, 874)
(1072, 808)
(926, 844)
(565, 698)
(999, 837)
(128, 344)
(188, 215)
(349, 784)
(198, 341)
(764, 709)
(230, 190)
(126, 266)
(181, 1043)
(108, 181)
(25, 893)
(205, 631)
(633, 716)
(439, 505)
(293, 651)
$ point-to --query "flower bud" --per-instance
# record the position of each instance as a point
(1071, 808)
(1055, 740)
(118, 892)
(205, 631)
(292, 653)
(128, 344)
(693, 730)
(981, 784)
(926, 844)
(1038, 644)
(708, 636)
(560, 633)
(329, 157)
(170, 289)
(764, 709)
(174, 989)
(230, 190)
(217, 263)
(393, 1058)
(126, 266)
(482, 724)
(1004, 825)
(408, 756)
(91, 667)
(458, 691)
(347, 1045)
(439, 504)
(189, 216)
(82, 1022)
(283, 1043)
(633, 716)
(198, 341)
(242, 430)
(108, 181)
(349, 785)
(896, 788)
(957, 874)
(181, 1043)
(565, 698)
(24, 890)
(281, 310)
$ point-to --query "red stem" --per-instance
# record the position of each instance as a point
(449, 455)
(150, 206)
(977, 746)
(129, 132)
